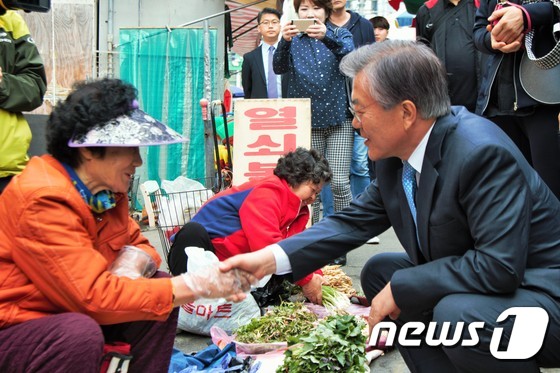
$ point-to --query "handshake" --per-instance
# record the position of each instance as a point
(212, 283)
(203, 280)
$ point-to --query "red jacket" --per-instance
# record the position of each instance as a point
(54, 254)
(253, 215)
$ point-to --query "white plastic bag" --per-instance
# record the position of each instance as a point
(184, 197)
(171, 213)
(198, 317)
(178, 187)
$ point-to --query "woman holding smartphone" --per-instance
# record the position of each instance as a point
(311, 57)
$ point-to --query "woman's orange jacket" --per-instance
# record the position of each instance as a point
(54, 254)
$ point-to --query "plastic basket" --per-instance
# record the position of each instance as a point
(173, 210)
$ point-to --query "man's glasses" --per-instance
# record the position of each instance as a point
(270, 23)
(354, 114)
(357, 115)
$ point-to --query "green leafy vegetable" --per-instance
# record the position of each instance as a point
(283, 321)
(335, 301)
(337, 344)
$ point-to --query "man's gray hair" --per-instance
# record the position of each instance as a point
(398, 70)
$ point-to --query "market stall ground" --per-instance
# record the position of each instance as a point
(389, 363)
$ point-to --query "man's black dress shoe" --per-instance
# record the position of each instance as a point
(341, 261)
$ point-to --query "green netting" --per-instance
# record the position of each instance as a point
(167, 67)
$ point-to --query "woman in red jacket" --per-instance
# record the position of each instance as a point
(258, 213)
(75, 271)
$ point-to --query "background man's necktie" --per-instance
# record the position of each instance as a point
(410, 186)
(271, 84)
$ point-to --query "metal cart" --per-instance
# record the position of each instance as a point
(172, 210)
(168, 212)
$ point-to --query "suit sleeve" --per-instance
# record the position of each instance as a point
(495, 199)
(246, 76)
(337, 234)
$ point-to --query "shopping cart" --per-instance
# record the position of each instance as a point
(172, 210)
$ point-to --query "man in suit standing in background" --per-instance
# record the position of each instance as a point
(480, 228)
(258, 77)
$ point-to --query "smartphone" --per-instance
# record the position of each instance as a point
(303, 24)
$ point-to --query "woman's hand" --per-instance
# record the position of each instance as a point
(211, 283)
(317, 30)
(512, 47)
(133, 262)
(509, 26)
(289, 31)
(313, 290)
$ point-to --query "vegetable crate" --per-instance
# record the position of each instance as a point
(173, 210)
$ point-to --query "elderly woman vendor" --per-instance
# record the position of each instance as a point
(258, 213)
(75, 271)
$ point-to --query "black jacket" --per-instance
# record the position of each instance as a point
(361, 29)
(448, 28)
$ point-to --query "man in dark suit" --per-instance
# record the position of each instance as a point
(488, 236)
(258, 77)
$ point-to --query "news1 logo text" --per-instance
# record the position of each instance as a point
(527, 335)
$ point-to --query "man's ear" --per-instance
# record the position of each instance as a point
(408, 113)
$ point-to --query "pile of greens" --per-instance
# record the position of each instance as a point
(334, 301)
(337, 344)
(282, 322)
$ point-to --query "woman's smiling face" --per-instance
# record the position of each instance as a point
(111, 172)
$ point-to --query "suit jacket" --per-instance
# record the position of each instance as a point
(253, 78)
(487, 223)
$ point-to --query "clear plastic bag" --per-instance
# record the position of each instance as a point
(133, 262)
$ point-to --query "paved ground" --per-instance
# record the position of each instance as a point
(389, 363)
